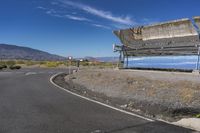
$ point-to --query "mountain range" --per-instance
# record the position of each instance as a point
(25, 53)
(8, 51)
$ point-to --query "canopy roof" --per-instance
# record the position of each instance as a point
(178, 37)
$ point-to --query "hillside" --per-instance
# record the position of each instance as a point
(25, 53)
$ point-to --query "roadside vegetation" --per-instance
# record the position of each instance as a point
(9, 64)
(198, 116)
(17, 64)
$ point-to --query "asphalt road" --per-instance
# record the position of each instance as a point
(29, 103)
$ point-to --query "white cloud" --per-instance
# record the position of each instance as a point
(54, 13)
(50, 12)
(57, 15)
(42, 8)
(100, 13)
(72, 17)
(54, 3)
(101, 26)
(116, 21)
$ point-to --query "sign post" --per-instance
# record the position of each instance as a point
(70, 61)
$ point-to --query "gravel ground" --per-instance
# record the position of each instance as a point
(161, 95)
(165, 95)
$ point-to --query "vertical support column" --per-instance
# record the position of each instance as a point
(123, 59)
(120, 58)
(127, 61)
(198, 59)
(124, 55)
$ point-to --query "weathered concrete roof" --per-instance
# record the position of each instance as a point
(168, 22)
(196, 17)
(176, 37)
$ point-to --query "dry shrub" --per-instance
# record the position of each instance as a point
(151, 92)
(186, 94)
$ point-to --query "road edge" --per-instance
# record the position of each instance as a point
(97, 102)
(114, 108)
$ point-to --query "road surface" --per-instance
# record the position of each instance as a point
(29, 103)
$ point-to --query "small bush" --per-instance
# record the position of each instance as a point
(198, 116)
(15, 67)
(51, 64)
(3, 66)
(85, 63)
(42, 62)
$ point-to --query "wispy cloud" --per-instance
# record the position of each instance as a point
(75, 18)
(54, 3)
(72, 17)
(101, 26)
(55, 13)
(51, 11)
(100, 13)
(83, 12)
(41, 7)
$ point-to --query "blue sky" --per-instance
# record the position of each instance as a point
(82, 27)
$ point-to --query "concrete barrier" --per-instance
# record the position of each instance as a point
(172, 29)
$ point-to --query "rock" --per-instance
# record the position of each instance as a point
(193, 123)
(124, 106)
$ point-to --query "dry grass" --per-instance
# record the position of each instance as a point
(186, 94)
(122, 84)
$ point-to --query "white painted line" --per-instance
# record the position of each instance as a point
(94, 101)
(30, 73)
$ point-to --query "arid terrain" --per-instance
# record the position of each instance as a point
(165, 95)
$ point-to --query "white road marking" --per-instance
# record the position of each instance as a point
(30, 73)
(97, 131)
(94, 101)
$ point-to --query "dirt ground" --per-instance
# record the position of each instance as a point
(157, 94)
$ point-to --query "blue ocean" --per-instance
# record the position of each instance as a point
(175, 62)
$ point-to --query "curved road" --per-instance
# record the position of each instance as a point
(29, 103)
